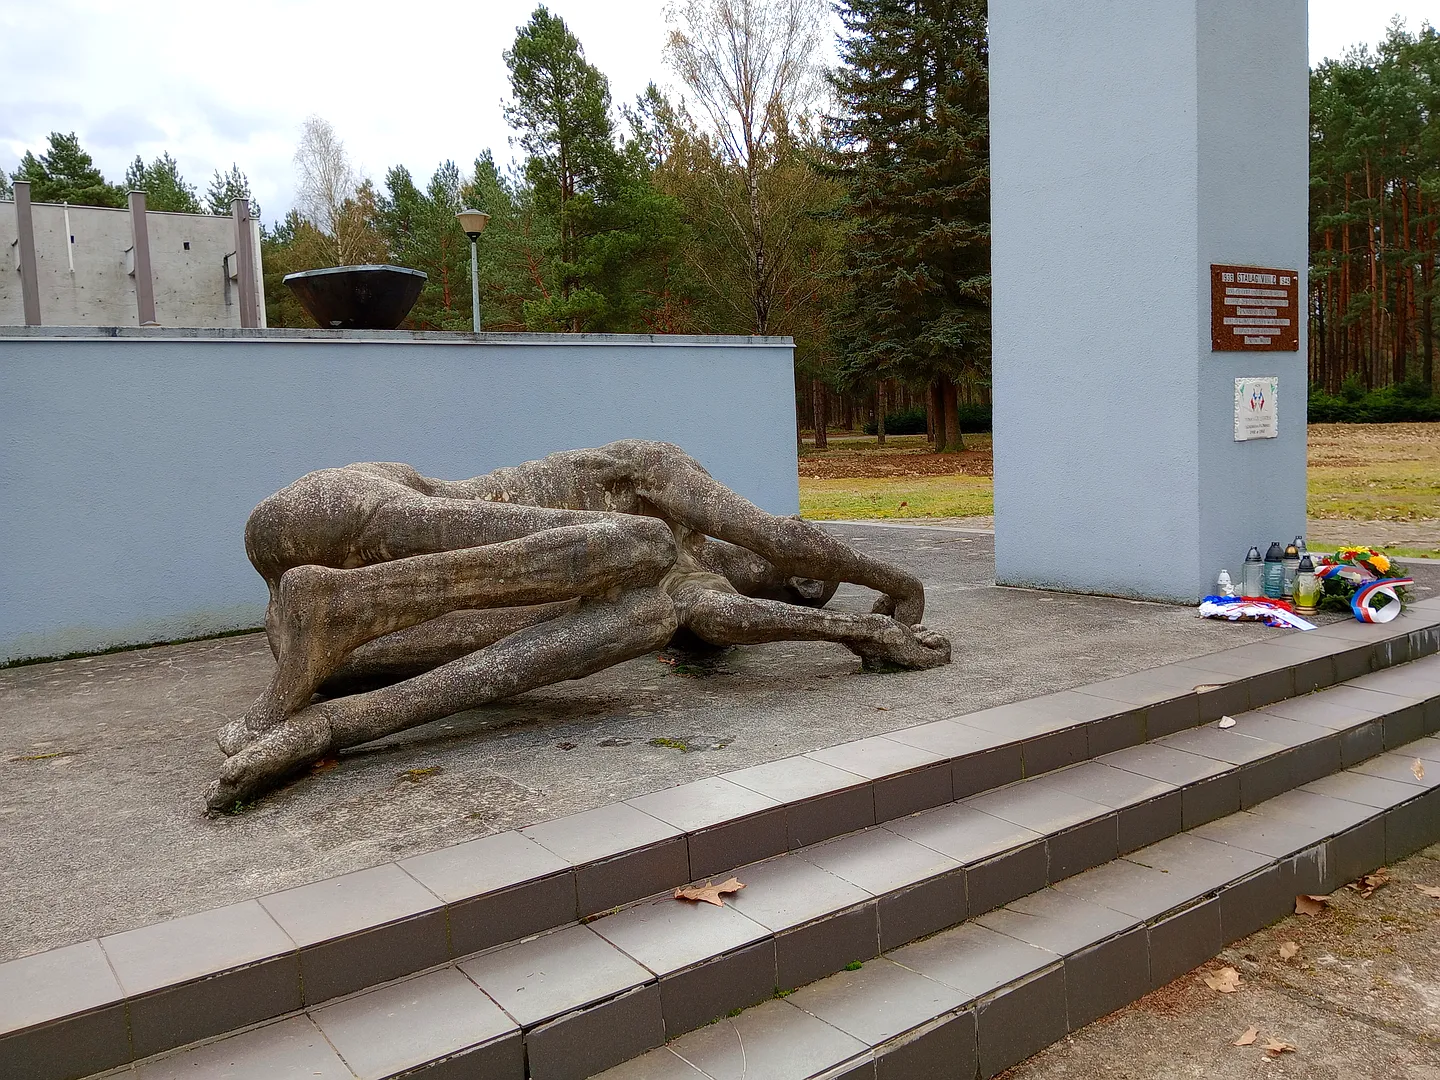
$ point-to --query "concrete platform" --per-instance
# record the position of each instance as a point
(1131, 838)
(104, 760)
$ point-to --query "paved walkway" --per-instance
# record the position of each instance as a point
(104, 760)
(1322, 533)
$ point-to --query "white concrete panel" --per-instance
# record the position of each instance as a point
(128, 464)
(1112, 191)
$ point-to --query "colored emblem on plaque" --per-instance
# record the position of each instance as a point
(1254, 309)
(1255, 399)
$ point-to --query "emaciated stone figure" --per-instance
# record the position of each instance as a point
(399, 599)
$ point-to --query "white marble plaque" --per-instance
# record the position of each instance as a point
(1255, 404)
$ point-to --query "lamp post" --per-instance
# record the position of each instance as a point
(474, 222)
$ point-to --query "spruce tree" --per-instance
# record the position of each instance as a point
(912, 147)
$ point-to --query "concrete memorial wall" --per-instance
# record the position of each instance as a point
(130, 459)
(1141, 151)
(86, 272)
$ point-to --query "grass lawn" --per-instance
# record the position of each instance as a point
(1375, 472)
(896, 497)
(1357, 472)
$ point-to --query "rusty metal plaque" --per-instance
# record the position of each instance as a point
(1254, 309)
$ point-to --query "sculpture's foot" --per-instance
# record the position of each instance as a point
(269, 758)
(909, 648)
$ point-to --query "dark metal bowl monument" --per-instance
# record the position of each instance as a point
(367, 297)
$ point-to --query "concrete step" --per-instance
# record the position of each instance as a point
(1084, 786)
(1191, 837)
(974, 1000)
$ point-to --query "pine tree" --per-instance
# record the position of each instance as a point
(7, 190)
(66, 173)
(165, 189)
(225, 188)
(913, 150)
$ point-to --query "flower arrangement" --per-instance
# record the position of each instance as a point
(1350, 570)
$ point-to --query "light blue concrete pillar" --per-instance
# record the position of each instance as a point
(1134, 143)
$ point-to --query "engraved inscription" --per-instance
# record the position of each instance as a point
(1254, 309)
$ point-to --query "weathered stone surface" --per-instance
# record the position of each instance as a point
(428, 597)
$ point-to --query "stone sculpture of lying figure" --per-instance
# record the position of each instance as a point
(399, 599)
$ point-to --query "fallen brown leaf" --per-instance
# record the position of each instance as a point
(1311, 905)
(1248, 1039)
(1432, 891)
(711, 894)
(1418, 768)
(325, 764)
(1289, 949)
(883, 708)
(1368, 883)
(1224, 981)
(1275, 1048)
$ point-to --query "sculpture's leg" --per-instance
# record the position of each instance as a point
(597, 635)
(683, 491)
(418, 649)
(754, 576)
(730, 619)
(321, 614)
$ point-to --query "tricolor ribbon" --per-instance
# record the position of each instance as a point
(1363, 602)
(1358, 574)
(1276, 613)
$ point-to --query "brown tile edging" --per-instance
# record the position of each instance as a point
(410, 925)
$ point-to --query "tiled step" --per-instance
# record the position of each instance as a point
(583, 998)
(974, 1000)
(131, 995)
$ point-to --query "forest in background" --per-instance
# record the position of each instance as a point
(848, 209)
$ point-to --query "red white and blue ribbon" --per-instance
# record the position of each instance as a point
(1356, 574)
(1236, 608)
(1363, 602)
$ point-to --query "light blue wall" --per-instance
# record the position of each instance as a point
(129, 461)
(1134, 143)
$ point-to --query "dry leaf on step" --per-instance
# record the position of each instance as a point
(1224, 981)
(1310, 905)
(1370, 882)
(1418, 769)
(1432, 891)
(711, 894)
(1248, 1039)
(1205, 688)
(1226, 721)
(1274, 1047)
(1289, 949)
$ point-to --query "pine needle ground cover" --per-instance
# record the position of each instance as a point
(1357, 472)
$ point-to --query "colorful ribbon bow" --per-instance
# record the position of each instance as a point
(1363, 602)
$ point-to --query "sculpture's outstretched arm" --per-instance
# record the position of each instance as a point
(724, 618)
(682, 491)
(597, 635)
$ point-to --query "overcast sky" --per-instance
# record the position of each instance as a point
(412, 84)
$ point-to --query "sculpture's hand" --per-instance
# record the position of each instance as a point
(907, 609)
(911, 647)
